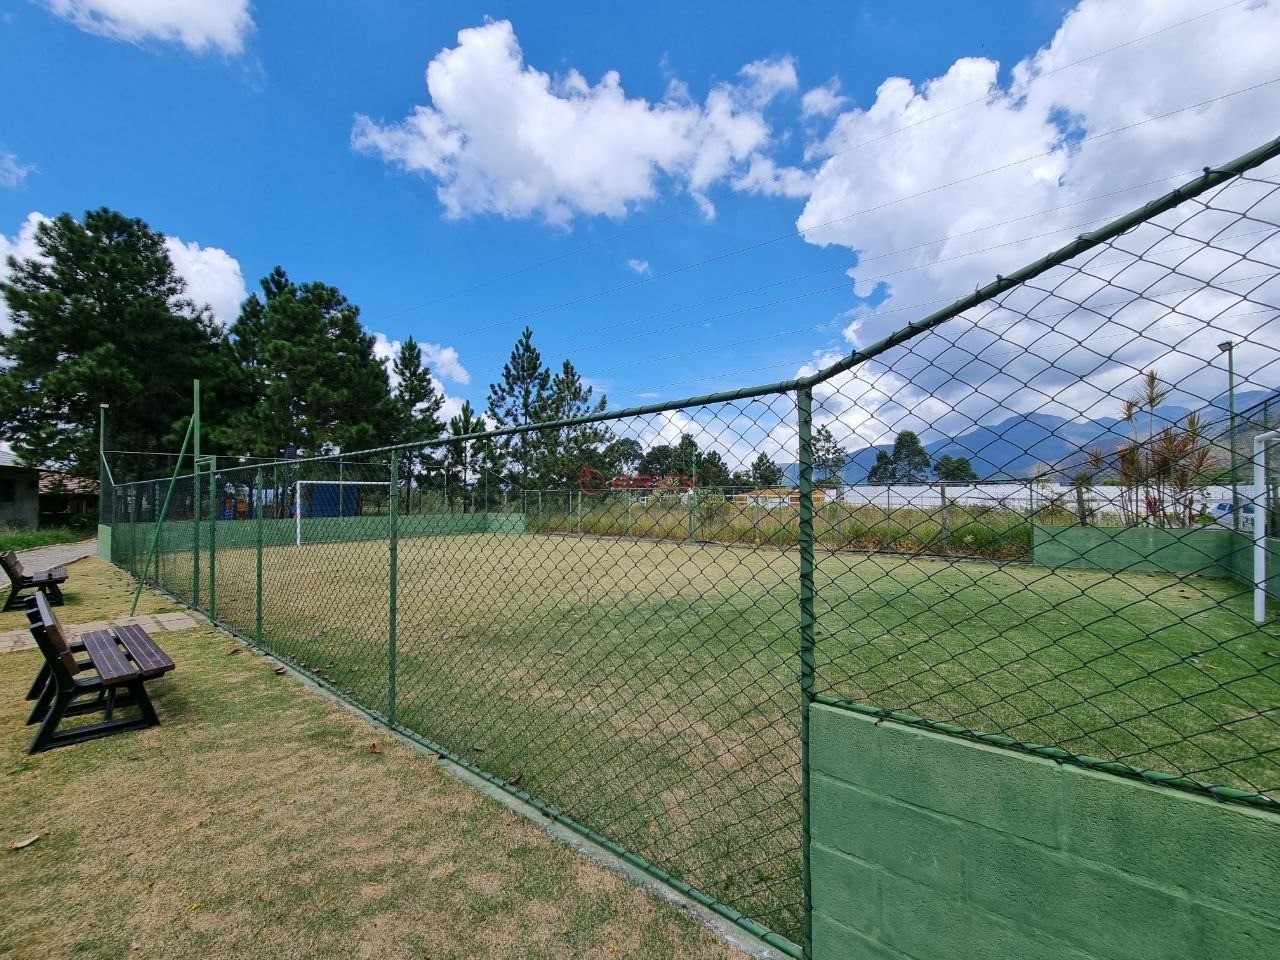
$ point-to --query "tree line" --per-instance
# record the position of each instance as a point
(100, 315)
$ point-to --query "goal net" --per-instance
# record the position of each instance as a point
(316, 501)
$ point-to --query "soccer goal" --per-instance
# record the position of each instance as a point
(329, 507)
(1261, 443)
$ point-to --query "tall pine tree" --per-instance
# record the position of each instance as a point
(522, 396)
(100, 316)
(418, 406)
(311, 366)
(573, 448)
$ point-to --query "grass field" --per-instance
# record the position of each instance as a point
(258, 820)
(25, 538)
(648, 688)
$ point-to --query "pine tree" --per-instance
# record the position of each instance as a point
(418, 405)
(463, 453)
(765, 473)
(828, 458)
(570, 449)
(522, 396)
(101, 316)
(312, 365)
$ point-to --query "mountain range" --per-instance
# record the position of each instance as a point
(1015, 446)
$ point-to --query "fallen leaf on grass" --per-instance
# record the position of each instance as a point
(515, 779)
(375, 747)
(282, 669)
(24, 842)
(233, 650)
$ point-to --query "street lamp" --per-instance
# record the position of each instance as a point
(1229, 348)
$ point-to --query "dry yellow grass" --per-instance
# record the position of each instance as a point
(258, 821)
(94, 591)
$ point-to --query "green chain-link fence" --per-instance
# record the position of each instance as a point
(624, 618)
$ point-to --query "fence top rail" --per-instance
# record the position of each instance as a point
(1210, 178)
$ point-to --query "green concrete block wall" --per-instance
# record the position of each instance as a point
(929, 847)
(1208, 551)
(176, 536)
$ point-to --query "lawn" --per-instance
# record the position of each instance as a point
(94, 587)
(261, 820)
(25, 538)
(648, 688)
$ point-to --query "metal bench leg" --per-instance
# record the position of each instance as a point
(142, 700)
(44, 736)
(40, 682)
(41, 708)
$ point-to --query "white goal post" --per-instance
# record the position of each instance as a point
(1260, 444)
(297, 498)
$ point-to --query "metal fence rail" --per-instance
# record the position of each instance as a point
(624, 618)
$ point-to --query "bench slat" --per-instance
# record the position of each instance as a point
(108, 659)
(146, 653)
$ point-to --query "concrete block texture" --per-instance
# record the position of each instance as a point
(930, 847)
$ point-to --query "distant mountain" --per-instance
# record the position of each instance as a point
(1015, 446)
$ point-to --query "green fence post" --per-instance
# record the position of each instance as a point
(393, 535)
(257, 514)
(804, 405)
(195, 495)
(213, 540)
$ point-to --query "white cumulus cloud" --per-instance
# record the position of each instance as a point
(823, 101)
(21, 246)
(199, 25)
(639, 266)
(13, 173)
(502, 137)
(213, 277)
(1051, 170)
(443, 361)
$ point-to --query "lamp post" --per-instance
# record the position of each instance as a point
(1229, 348)
(103, 505)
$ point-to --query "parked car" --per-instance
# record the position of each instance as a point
(1221, 513)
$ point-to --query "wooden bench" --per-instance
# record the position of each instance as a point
(112, 676)
(47, 582)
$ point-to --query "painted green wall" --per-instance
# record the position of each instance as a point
(1210, 551)
(176, 536)
(929, 847)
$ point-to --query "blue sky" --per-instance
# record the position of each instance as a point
(237, 127)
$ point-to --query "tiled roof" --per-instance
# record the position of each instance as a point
(54, 482)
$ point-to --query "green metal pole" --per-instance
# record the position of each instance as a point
(257, 514)
(195, 499)
(213, 539)
(155, 536)
(393, 534)
(804, 405)
(102, 463)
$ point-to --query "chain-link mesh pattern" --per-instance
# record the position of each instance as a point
(624, 619)
(1103, 607)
